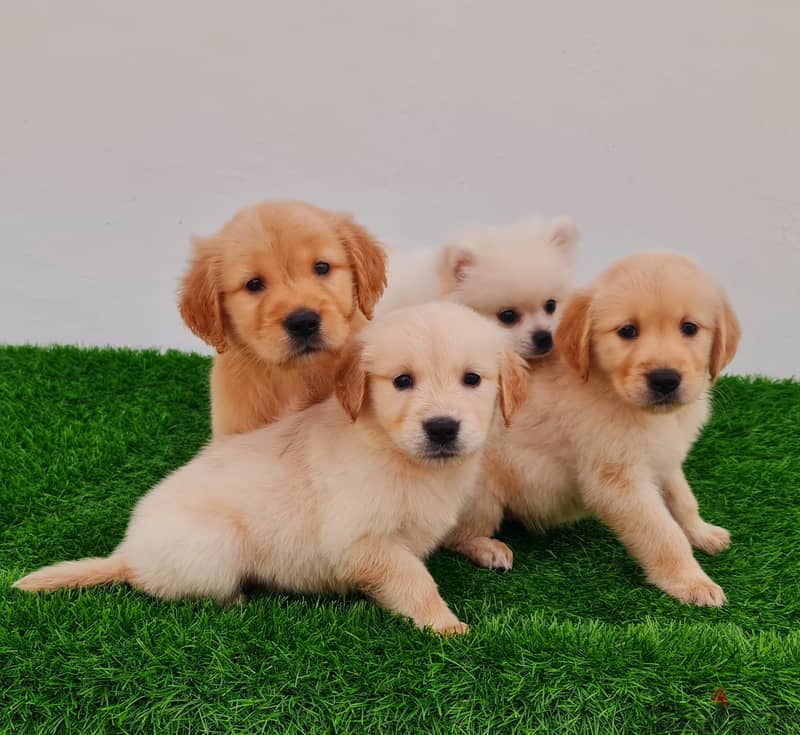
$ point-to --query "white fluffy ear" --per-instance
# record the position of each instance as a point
(563, 234)
(453, 266)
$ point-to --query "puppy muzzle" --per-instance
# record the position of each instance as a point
(441, 437)
(542, 342)
(304, 328)
(663, 386)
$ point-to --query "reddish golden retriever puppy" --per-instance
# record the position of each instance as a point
(277, 292)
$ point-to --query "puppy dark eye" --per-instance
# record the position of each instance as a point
(472, 379)
(321, 267)
(255, 285)
(403, 382)
(689, 329)
(550, 306)
(628, 332)
(508, 316)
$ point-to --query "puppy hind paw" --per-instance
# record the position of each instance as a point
(488, 553)
(709, 538)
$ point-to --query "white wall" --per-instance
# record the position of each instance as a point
(127, 127)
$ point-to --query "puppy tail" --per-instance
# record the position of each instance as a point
(84, 573)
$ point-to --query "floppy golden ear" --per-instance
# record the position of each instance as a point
(573, 334)
(453, 265)
(351, 379)
(513, 385)
(368, 259)
(727, 334)
(200, 302)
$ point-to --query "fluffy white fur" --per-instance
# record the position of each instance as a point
(348, 494)
(493, 270)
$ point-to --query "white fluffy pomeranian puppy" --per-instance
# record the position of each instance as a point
(518, 275)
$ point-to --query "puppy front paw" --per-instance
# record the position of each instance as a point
(448, 629)
(709, 538)
(488, 553)
(701, 591)
(442, 622)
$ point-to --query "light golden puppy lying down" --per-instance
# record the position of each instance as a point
(517, 275)
(609, 421)
(349, 494)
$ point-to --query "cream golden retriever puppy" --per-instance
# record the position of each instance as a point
(518, 275)
(609, 421)
(277, 292)
(351, 493)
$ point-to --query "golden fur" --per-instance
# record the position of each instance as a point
(257, 376)
(593, 440)
(519, 267)
(346, 494)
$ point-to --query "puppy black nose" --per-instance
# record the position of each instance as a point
(441, 430)
(663, 382)
(542, 341)
(302, 323)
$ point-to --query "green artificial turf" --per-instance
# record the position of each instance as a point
(572, 640)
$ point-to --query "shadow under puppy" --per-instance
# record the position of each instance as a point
(351, 493)
(609, 421)
(277, 292)
(517, 275)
